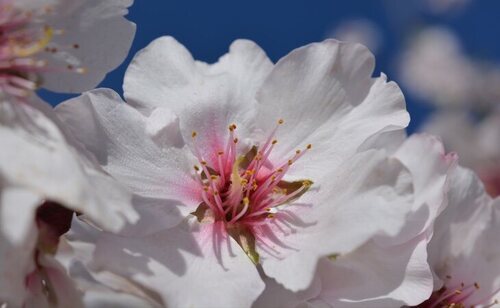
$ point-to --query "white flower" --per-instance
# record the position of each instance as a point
(385, 271)
(463, 252)
(475, 142)
(435, 67)
(43, 178)
(65, 46)
(286, 166)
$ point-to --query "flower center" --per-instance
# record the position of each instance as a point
(459, 297)
(23, 39)
(245, 191)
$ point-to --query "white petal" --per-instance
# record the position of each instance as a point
(207, 98)
(116, 134)
(327, 97)
(174, 80)
(102, 289)
(467, 213)
(401, 273)
(18, 234)
(37, 156)
(398, 263)
(460, 243)
(430, 166)
(103, 38)
(163, 127)
(276, 296)
(369, 195)
(182, 266)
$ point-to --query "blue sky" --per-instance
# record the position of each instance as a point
(208, 27)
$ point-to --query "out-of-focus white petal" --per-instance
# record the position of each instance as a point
(18, 236)
(96, 37)
(37, 157)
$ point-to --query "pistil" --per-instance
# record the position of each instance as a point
(241, 190)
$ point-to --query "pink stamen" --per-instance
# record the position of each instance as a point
(246, 195)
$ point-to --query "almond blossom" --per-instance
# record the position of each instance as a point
(64, 46)
(463, 252)
(43, 180)
(435, 67)
(398, 264)
(244, 166)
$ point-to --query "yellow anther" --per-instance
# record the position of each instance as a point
(235, 140)
(270, 215)
(309, 146)
(220, 153)
(255, 186)
(205, 188)
(213, 177)
(268, 209)
(290, 162)
(232, 127)
(273, 177)
(39, 45)
(204, 163)
(298, 152)
(307, 183)
(194, 134)
(458, 292)
(246, 201)
(196, 168)
(281, 121)
(216, 193)
(250, 172)
(244, 182)
(279, 170)
(274, 141)
(476, 285)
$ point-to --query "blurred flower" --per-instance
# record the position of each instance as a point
(65, 46)
(444, 6)
(435, 68)
(260, 193)
(463, 251)
(361, 31)
(477, 144)
(398, 264)
(43, 179)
